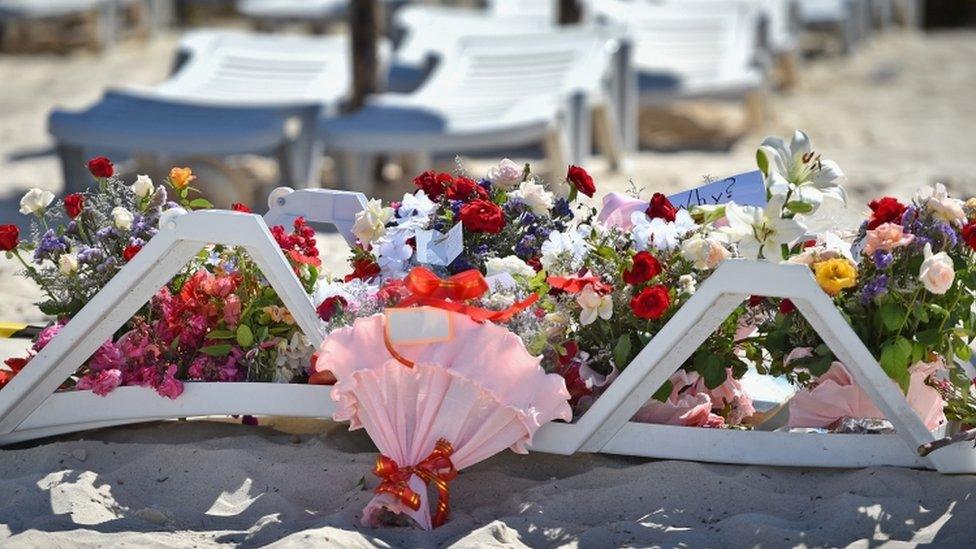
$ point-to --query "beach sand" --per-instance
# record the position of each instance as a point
(898, 114)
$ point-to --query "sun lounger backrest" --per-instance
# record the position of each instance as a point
(232, 67)
(546, 10)
(691, 38)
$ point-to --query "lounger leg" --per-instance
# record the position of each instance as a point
(788, 64)
(579, 136)
(556, 146)
(608, 137)
(756, 108)
(73, 169)
(355, 172)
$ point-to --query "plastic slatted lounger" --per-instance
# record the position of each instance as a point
(234, 93)
(488, 94)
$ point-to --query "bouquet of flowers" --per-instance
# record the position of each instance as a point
(216, 321)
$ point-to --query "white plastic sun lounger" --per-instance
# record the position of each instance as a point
(234, 93)
(106, 12)
(272, 14)
(431, 34)
(489, 94)
(848, 18)
(780, 36)
(693, 49)
(30, 408)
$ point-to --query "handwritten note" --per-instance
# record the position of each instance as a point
(437, 248)
(745, 189)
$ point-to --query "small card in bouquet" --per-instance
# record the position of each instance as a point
(418, 326)
(437, 248)
(745, 189)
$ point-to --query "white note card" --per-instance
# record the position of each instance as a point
(437, 248)
(419, 325)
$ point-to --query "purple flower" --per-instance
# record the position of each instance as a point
(949, 236)
(49, 245)
(485, 184)
(562, 208)
(460, 264)
(526, 248)
(90, 256)
(882, 259)
(106, 232)
(874, 289)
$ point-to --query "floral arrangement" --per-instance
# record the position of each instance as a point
(217, 320)
(601, 285)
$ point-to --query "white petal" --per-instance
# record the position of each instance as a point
(800, 145)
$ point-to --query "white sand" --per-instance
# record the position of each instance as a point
(199, 484)
(896, 115)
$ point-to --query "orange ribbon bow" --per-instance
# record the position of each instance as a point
(429, 289)
(436, 468)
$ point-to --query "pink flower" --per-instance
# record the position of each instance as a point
(46, 335)
(107, 357)
(170, 387)
(937, 272)
(887, 237)
(686, 405)
(232, 310)
(101, 383)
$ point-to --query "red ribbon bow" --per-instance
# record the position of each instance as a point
(436, 468)
(429, 289)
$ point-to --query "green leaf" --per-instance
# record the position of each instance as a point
(245, 337)
(819, 366)
(762, 161)
(200, 204)
(222, 349)
(621, 351)
(220, 334)
(799, 207)
(662, 394)
(895, 356)
(929, 338)
(893, 316)
(711, 368)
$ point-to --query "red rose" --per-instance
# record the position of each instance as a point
(482, 216)
(661, 207)
(756, 300)
(786, 306)
(581, 180)
(433, 183)
(969, 234)
(646, 267)
(129, 252)
(651, 303)
(74, 204)
(101, 167)
(464, 188)
(238, 207)
(364, 269)
(9, 235)
(885, 210)
(330, 306)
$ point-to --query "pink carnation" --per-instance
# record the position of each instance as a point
(46, 335)
(101, 383)
(170, 387)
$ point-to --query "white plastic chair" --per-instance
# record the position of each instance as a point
(693, 49)
(489, 93)
(234, 93)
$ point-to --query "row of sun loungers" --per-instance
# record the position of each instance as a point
(498, 81)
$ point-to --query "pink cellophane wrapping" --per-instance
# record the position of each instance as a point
(617, 209)
(691, 402)
(481, 391)
(836, 395)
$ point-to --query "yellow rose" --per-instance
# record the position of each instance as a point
(836, 274)
(180, 178)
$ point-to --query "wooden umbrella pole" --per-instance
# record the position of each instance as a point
(364, 26)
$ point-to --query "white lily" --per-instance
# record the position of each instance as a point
(759, 232)
(393, 251)
(593, 305)
(663, 235)
(36, 201)
(415, 205)
(793, 169)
